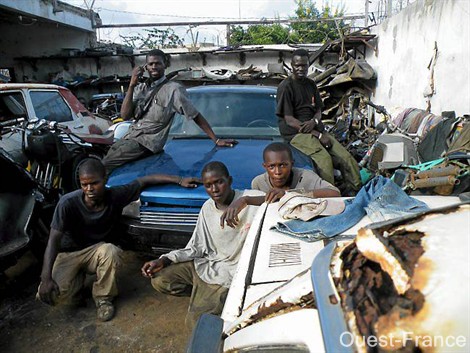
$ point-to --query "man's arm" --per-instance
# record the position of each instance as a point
(151, 267)
(323, 193)
(194, 249)
(48, 286)
(204, 125)
(127, 108)
(153, 179)
(230, 215)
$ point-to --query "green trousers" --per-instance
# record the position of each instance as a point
(182, 280)
(325, 160)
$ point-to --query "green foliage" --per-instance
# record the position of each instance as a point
(259, 34)
(312, 32)
(153, 39)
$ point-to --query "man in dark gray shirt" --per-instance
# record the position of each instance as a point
(153, 104)
(81, 230)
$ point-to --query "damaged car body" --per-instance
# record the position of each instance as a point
(388, 286)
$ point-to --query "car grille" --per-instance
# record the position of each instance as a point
(168, 218)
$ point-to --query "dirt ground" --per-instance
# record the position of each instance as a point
(145, 321)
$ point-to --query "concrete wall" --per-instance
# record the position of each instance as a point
(406, 44)
(45, 68)
(39, 39)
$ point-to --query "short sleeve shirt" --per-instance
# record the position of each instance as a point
(298, 98)
(83, 227)
(302, 180)
(151, 131)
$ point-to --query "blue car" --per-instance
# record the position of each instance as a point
(168, 213)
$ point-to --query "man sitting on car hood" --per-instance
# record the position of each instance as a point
(153, 104)
(205, 267)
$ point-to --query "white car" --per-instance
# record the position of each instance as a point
(53, 104)
(292, 296)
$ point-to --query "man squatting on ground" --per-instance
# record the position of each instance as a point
(205, 267)
(153, 104)
(299, 110)
(82, 226)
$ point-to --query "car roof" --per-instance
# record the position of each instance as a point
(234, 89)
(8, 86)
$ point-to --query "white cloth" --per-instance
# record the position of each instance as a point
(216, 251)
(298, 206)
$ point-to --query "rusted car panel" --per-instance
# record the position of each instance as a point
(404, 286)
(254, 306)
(293, 295)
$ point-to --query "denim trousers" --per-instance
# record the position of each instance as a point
(381, 199)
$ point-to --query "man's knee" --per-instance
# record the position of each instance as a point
(161, 284)
(166, 285)
(108, 252)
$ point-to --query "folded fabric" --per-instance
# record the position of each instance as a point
(294, 205)
(380, 198)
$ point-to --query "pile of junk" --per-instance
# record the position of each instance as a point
(422, 152)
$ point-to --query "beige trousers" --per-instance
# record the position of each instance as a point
(182, 280)
(70, 269)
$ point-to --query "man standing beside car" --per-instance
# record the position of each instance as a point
(205, 267)
(153, 104)
(82, 229)
(299, 110)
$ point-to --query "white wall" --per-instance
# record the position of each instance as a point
(405, 49)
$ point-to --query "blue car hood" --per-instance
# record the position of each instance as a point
(187, 157)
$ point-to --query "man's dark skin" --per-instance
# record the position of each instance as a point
(155, 66)
(313, 126)
(219, 188)
(93, 186)
(279, 167)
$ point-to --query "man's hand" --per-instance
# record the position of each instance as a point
(230, 215)
(325, 141)
(226, 143)
(48, 291)
(152, 267)
(308, 126)
(274, 195)
(136, 73)
(190, 182)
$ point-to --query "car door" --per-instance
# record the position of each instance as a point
(63, 107)
(13, 105)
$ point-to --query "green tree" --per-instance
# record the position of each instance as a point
(310, 32)
(259, 34)
(154, 38)
(315, 32)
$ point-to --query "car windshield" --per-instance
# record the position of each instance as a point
(231, 114)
